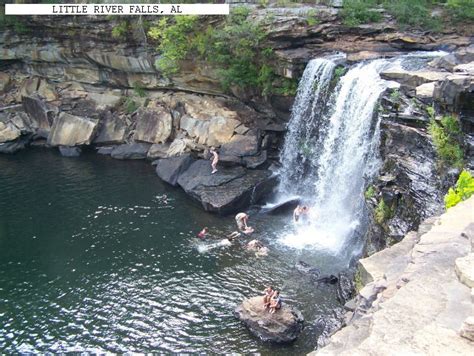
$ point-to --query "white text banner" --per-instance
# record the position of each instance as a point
(116, 9)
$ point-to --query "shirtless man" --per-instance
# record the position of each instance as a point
(241, 220)
(300, 211)
(215, 159)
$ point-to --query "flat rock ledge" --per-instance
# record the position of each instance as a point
(284, 326)
(417, 299)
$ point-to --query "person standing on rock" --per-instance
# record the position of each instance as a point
(215, 159)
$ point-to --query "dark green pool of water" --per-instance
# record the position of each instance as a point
(91, 259)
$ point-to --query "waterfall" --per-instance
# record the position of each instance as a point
(329, 150)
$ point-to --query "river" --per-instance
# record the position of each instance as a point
(92, 259)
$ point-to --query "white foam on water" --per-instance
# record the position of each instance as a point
(203, 248)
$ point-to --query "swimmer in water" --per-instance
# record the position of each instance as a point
(203, 233)
(300, 211)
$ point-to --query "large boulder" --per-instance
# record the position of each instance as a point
(169, 169)
(112, 130)
(213, 132)
(281, 327)
(228, 190)
(131, 151)
(153, 125)
(8, 132)
(71, 130)
(39, 113)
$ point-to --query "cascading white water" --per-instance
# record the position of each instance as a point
(342, 134)
(297, 151)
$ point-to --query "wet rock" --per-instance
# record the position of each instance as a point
(228, 190)
(281, 327)
(305, 268)
(71, 130)
(14, 146)
(153, 125)
(345, 288)
(281, 208)
(68, 151)
(169, 169)
(105, 150)
(112, 130)
(131, 151)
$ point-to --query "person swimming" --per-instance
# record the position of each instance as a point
(300, 211)
(258, 247)
(203, 233)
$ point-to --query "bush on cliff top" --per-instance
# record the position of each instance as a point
(463, 190)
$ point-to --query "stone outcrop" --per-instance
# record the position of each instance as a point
(228, 190)
(414, 302)
(70, 130)
(153, 125)
(281, 327)
(169, 169)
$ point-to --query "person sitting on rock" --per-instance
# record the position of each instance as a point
(215, 159)
(203, 233)
(267, 297)
(275, 302)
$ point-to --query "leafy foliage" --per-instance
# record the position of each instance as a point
(130, 106)
(446, 138)
(415, 13)
(235, 47)
(370, 192)
(311, 18)
(121, 30)
(139, 90)
(287, 87)
(175, 41)
(461, 10)
(339, 71)
(463, 190)
(382, 212)
(357, 12)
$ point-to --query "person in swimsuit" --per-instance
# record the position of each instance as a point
(296, 214)
(275, 302)
(203, 233)
(267, 297)
(215, 159)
